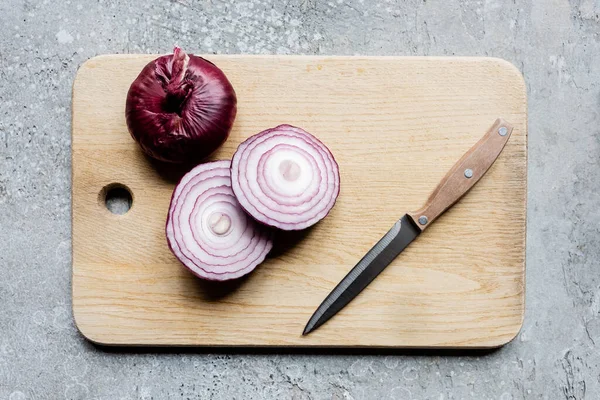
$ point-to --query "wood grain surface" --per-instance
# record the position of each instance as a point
(396, 125)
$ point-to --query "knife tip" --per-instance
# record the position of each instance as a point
(311, 325)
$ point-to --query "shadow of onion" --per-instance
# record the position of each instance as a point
(169, 172)
(216, 290)
(283, 241)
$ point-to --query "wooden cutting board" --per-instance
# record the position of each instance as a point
(395, 125)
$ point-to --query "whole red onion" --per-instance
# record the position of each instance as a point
(180, 108)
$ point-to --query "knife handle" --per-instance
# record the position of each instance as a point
(464, 174)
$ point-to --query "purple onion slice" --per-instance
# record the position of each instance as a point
(285, 178)
(208, 231)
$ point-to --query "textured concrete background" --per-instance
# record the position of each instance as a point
(556, 44)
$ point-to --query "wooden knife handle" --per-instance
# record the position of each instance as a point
(464, 174)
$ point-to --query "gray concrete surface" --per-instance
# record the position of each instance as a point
(555, 43)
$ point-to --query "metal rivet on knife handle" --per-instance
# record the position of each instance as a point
(423, 220)
(502, 131)
(468, 173)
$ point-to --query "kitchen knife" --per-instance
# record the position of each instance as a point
(462, 177)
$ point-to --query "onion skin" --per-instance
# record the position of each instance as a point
(180, 108)
(208, 231)
(285, 178)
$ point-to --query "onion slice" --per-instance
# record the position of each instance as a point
(208, 231)
(285, 177)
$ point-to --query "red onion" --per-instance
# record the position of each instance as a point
(180, 108)
(286, 178)
(208, 231)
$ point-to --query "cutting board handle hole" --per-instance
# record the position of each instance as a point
(116, 197)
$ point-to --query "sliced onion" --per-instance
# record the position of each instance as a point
(208, 231)
(286, 178)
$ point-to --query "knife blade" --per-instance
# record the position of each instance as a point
(458, 181)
